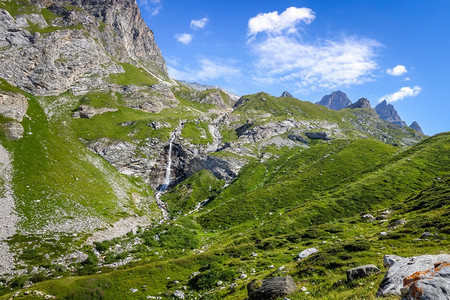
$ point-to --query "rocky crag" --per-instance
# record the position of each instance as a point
(336, 100)
(389, 113)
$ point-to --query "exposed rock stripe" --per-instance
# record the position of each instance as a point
(8, 218)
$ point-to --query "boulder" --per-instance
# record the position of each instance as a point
(307, 252)
(390, 260)
(13, 130)
(393, 280)
(428, 285)
(273, 288)
(178, 294)
(87, 111)
(13, 105)
(361, 272)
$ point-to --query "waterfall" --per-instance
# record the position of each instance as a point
(169, 164)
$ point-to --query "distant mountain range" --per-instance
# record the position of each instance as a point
(338, 100)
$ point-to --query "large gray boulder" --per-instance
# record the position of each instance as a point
(393, 280)
(272, 288)
(307, 252)
(361, 272)
(428, 285)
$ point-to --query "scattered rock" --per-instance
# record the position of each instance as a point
(178, 294)
(159, 125)
(404, 267)
(273, 288)
(361, 272)
(243, 276)
(307, 252)
(368, 217)
(399, 222)
(87, 111)
(133, 290)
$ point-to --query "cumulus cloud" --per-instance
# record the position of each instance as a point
(283, 56)
(401, 94)
(152, 6)
(199, 24)
(207, 69)
(328, 64)
(274, 23)
(184, 38)
(397, 70)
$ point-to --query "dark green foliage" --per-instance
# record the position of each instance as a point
(357, 246)
(210, 275)
(177, 237)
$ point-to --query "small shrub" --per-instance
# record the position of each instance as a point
(357, 246)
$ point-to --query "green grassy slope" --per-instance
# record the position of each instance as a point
(272, 211)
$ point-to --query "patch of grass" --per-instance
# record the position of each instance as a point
(197, 133)
(133, 75)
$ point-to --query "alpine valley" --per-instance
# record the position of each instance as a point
(118, 182)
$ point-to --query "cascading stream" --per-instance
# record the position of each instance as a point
(162, 205)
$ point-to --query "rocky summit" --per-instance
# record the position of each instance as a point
(119, 182)
(336, 100)
(389, 113)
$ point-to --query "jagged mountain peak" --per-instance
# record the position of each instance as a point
(336, 100)
(414, 125)
(361, 103)
(286, 94)
(388, 113)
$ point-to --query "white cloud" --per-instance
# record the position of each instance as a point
(207, 70)
(397, 70)
(276, 23)
(327, 64)
(284, 56)
(401, 94)
(199, 24)
(184, 38)
(152, 6)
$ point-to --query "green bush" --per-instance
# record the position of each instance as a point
(357, 246)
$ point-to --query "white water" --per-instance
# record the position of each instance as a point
(162, 205)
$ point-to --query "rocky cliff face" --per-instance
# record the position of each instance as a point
(387, 112)
(335, 101)
(53, 46)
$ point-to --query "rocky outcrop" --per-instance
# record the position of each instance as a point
(13, 105)
(79, 48)
(361, 103)
(13, 130)
(272, 288)
(152, 99)
(321, 135)
(393, 281)
(361, 272)
(414, 125)
(286, 94)
(202, 87)
(335, 101)
(86, 111)
(388, 113)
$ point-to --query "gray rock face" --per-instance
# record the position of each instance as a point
(273, 288)
(361, 272)
(86, 111)
(361, 103)
(202, 87)
(13, 105)
(394, 279)
(80, 50)
(151, 99)
(335, 101)
(307, 252)
(414, 125)
(388, 113)
(178, 294)
(390, 260)
(286, 94)
(428, 285)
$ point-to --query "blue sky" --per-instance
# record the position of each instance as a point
(394, 49)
